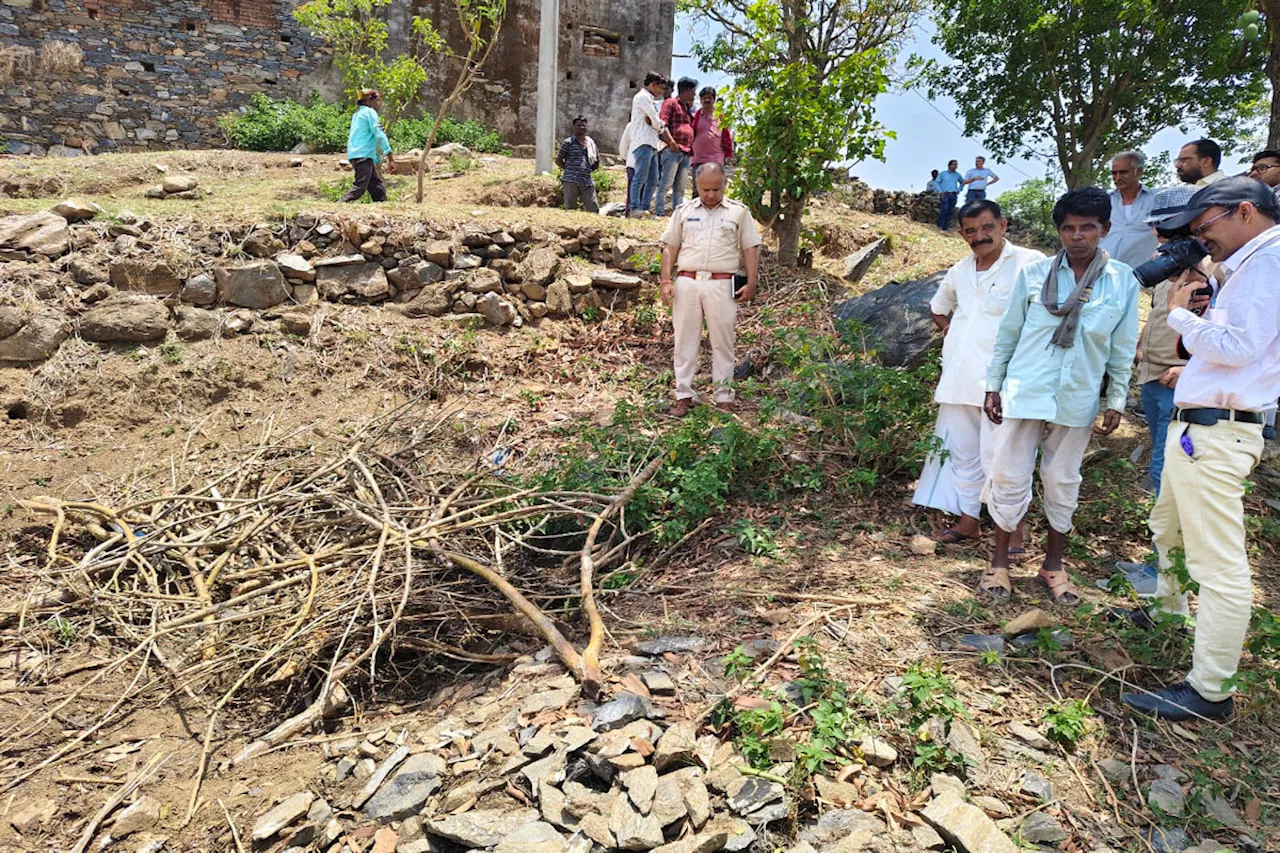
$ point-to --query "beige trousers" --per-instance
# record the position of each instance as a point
(1013, 463)
(1201, 510)
(695, 301)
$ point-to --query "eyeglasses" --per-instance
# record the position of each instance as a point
(1196, 232)
(1260, 168)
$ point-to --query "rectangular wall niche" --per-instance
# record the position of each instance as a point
(601, 42)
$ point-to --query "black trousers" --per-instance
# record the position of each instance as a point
(367, 179)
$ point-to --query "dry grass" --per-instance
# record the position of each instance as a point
(14, 59)
(60, 57)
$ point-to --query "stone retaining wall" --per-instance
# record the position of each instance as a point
(156, 75)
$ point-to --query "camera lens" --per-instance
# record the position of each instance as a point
(1156, 270)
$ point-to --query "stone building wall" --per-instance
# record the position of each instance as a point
(156, 73)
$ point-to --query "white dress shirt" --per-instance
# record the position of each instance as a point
(1235, 347)
(978, 300)
(1131, 240)
(645, 122)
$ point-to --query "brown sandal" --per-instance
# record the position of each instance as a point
(995, 584)
(1059, 585)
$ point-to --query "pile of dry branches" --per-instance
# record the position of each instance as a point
(301, 571)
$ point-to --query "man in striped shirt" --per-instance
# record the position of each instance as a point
(579, 157)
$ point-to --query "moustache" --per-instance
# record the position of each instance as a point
(985, 241)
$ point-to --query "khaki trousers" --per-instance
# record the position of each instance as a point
(1013, 464)
(695, 301)
(1201, 510)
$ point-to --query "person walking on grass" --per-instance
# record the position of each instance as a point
(1072, 319)
(366, 145)
(579, 157)
(970, 302)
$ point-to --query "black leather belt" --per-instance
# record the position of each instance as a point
(1209, 417)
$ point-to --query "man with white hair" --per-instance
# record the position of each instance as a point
(1131, 240)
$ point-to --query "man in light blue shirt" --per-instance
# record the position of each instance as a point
(1072, 320)
(977, 180)
(366, 144)
(948, 186)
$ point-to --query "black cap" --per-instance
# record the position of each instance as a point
(1228, 192)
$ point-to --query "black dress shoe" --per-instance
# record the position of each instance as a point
(1141, 618)
(1178, 702)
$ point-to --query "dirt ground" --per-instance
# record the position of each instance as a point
(97, 424)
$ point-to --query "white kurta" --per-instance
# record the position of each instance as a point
(1131, 240)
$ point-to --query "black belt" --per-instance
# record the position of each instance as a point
(1209, 417)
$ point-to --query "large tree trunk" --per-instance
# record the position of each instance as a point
(787, 227)
(1272, 10)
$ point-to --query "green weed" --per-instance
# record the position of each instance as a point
(1067, 722)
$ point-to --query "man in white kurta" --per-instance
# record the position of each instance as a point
(968, 306)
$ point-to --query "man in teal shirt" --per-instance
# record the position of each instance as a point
(948, 186)
(1072, 320)
(366, 144)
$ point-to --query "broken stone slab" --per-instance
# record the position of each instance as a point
(407, 792)
(484, 280)
(352, 282)
(31, 336)
(1040, 828)
(836, 793)
(122, 319)
(576, 737)
(550, 768)
(677, 746)
(877, 752)
(1035, 785)
(257, 284)
(496, 310)
(1115, 770)
(641, 785)
(200, 289)
(1218, 808)
(156, 278)
(707, 842)
(596, 827)
(1166, 840)
(633, 830)
(295, 267)
(614, 280)
(76, 210)
(754, 794)
(540, 266)
(927, 837)
(178, 184)
(963, 740)
(546, 700)
(982, 642)
(738, 833)
(922, 546)
(1166, 796)
(944, 784)
(625, 709)
(43, 233)
(658, 682)
(1010, 747)
(1030, 736)
(666, 645)
(284, 814)
(966, 826)
(844, 829)
(1029, 622)
(481, 828)
(535, 837)
(196, 324)
(992, 806)
(668, 801)
(142, 815)
(374, 782)
(857, 264)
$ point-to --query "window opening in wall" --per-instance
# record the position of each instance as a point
(633, 84)
(631, 38)
(568, 75)
(189, 26)
(286, 39)
(93, 14)
(148, 66)
(600, 42)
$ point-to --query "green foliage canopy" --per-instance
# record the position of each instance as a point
(1090, 77)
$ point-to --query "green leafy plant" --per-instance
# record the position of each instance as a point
(737, 664)
(268, 124)
(1067, 722)
(930, 694)
(412, 132)
(755, 540)
(63, 630)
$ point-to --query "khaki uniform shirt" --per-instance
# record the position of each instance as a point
(1159, 343)
(709, 239)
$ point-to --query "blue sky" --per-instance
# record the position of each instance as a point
(928, 133)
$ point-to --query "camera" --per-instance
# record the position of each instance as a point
(1181, 252)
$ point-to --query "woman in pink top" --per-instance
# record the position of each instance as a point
(711, 143)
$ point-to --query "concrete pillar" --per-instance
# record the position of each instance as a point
(548, 80)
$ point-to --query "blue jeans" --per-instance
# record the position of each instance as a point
(675, 171)
(946, 207)
(1157, 406)
(975, 195)
(646, 178)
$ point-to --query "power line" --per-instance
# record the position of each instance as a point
(951, 122)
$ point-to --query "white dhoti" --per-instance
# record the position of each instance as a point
(1008, 490)
(952, 480)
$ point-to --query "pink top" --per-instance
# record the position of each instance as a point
(711, 143)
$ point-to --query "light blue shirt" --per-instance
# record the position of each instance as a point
(1040, 381)
(947, 182)
(983, 175)
(366, 138)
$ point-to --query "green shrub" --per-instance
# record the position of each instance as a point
(412, 132)
(267, 124)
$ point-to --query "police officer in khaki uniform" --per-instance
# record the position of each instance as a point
(706, 243)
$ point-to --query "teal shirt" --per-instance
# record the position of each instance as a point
(366, 138)
(1040, 381)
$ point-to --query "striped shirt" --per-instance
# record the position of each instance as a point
(577, 163)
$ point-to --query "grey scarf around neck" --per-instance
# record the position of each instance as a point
(1065, 335)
